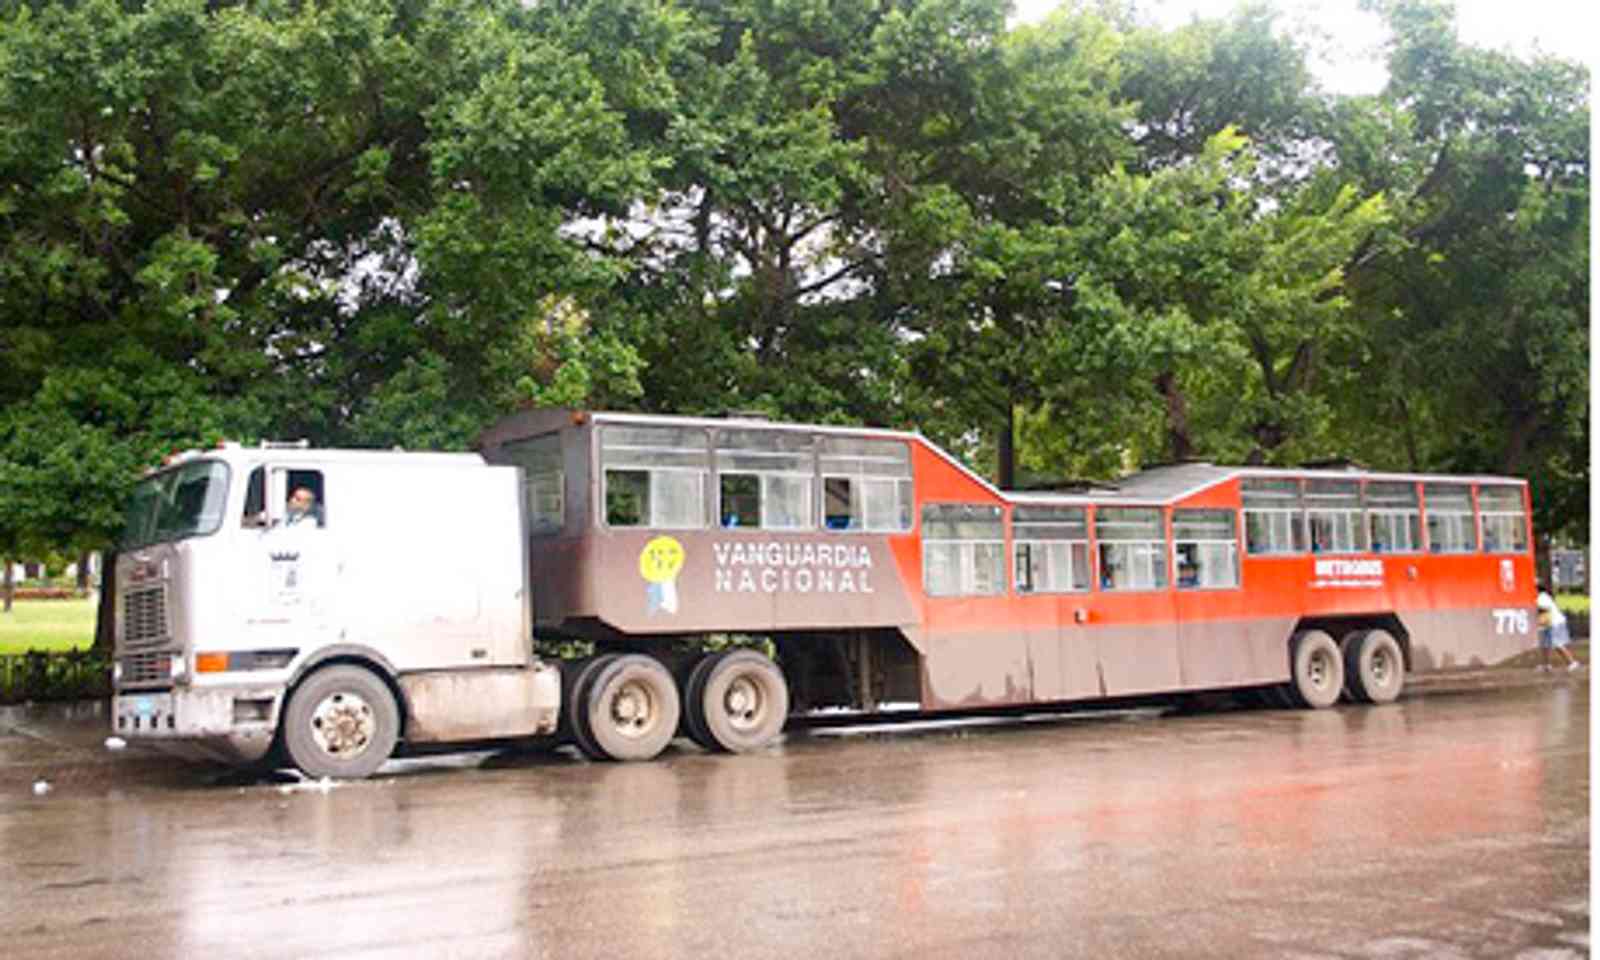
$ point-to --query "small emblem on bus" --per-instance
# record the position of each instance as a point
(659, 564)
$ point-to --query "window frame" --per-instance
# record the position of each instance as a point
(966, 550)
(654, 477)
(1137, 550)
(1022, 517)
(1516, 521)
(1466, 518)
(628, 465)
(1288, 538)
(1233, 558)
(875, 469)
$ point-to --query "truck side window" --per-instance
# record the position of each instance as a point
(255, 499)
(307, 503)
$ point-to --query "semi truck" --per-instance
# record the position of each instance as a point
(326, 609)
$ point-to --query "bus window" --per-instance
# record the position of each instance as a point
(963, 550)
(1393, 518)
(866, 484)
(1505, 526)
(1207, 547)
(653, 476)
(1133, 548)
(764, 479)
(1450, 526)
(543, 481)
(1333, 516)
(1273, 521)
(1051, 547)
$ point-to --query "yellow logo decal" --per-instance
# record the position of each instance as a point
(659, 564)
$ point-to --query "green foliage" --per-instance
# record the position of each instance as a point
(1475, 303)
(41, 675)
(1076, 246)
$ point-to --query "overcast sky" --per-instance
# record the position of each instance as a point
(1567, 28)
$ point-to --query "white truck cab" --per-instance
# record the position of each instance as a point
(393, 609)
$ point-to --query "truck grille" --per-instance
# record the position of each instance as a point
(142, 668)
(144, 617)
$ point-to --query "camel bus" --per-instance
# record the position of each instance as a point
(868, 566)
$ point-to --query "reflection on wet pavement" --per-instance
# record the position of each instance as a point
(1438, 826)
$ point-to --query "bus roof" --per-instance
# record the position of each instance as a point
(1152, 486)
(1164, 485)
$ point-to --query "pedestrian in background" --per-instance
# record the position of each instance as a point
(1553, 633)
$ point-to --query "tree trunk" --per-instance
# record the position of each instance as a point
(1180, 445)
(83, 573)
(1406, 425)
(9, 589)
(105, 623)
(1518, 439)
(1006, 450)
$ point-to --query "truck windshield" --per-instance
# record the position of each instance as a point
(185, 501)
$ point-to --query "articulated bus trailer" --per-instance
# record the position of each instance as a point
(874, 566)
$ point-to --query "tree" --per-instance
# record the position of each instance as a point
(1476, 301)
(339, 221)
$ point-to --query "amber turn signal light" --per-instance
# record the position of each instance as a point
(210, 663)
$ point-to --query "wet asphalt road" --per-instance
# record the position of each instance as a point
(1452, 824)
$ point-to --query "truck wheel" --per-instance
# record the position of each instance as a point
(744, 699)
(341, 722)
(1375, 670)
(576, 706)
(631, 708)
(694, 707)
(1317, 673)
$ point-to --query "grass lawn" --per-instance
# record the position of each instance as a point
(47, 625)
(1573, 602)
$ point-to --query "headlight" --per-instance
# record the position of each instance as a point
(180, 668)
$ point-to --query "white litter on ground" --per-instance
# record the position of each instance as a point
(115, 743)
(41, 787)
(310, 786)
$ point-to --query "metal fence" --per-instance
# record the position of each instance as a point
(36, 675)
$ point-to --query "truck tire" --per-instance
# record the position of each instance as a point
(631, 707)
(743, 700)
(1316, 670)
(1374, 669)
(576, 710)
(694, 708)
(341, 722)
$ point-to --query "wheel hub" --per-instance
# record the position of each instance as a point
(1380, 668)
(632, 709)
(742, 702)
(1317, 670)
(342, 725)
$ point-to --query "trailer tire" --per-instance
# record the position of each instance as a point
(743, 700)
(694, 708)
(1316, 670)
(576, 705)
(1374, 668)
(341, 722)
(631, 708)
